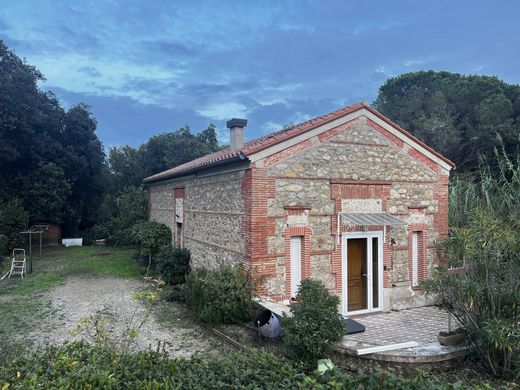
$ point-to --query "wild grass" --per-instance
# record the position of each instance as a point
(57, 264)
(20, 315)
(24, 302)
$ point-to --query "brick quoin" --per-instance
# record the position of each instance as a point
(263, 265)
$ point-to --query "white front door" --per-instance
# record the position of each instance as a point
(362, 272)
(296, 264)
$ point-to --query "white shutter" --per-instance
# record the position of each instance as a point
(415, 259)
(296, 264)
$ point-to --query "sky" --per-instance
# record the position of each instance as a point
(146, 67)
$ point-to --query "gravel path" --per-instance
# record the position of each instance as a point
(110, 299)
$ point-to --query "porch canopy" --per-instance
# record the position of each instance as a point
(370, 219)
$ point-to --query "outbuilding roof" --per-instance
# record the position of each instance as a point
(261, 143)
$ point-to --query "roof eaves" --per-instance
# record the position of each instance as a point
(190, 170)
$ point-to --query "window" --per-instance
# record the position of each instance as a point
(296, 264)
(415, 259)
(178, 235)
(417, 265)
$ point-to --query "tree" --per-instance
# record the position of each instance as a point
(150, 237)
(455, 114)
(46, 195)
(126, 166)
(167, 150)
(83, 164)
(484, 243)
(13, 220)
(38, 138)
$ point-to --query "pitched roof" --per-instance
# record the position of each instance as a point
(261, 143)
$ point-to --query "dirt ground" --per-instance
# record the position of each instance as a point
(110, 299)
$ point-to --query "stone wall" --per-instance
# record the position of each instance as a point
(213, 215)
(357, 153)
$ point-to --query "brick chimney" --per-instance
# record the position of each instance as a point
(236, 133)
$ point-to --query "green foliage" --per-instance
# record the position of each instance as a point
(485, 240)
(79, 365)
(457, 115)
(126, 166)
(50, 158)
(220, 296)
(13, 220)
(151, 236)
(315, 323)
(167, 150)
(119, 213)
(173, 263)
(4, 244)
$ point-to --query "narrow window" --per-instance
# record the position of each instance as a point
(178, 235)
(415, 258)
(375, 273)
(296, 264)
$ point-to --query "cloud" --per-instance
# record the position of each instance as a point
(152, 66)
(223, 111)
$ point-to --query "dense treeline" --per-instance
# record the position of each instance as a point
(53, 167)
(458, 115)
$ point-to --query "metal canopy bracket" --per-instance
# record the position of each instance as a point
(369, 219)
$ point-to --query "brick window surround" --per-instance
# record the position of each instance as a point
(178, 193)
(422, 260)
(305, 233)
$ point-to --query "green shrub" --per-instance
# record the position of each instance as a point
(315, 323)
(149, 237)
(122, 237)
(82, 366)
(220, 296)
(173, 263)
(13, 220)
(4, 242)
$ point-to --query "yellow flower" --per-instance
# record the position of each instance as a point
(18, 374)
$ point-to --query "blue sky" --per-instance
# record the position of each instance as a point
(147, 67)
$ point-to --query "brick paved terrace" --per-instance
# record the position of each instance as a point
(421, 325)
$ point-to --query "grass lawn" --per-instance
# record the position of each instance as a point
(24, 303)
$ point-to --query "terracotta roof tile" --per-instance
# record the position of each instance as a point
(266, 141)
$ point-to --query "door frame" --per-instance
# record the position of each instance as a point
(344, 271)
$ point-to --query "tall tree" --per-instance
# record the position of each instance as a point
(50, 159)
(456, 114)
(83, 162)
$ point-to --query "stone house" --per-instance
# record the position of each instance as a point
(348, 198)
